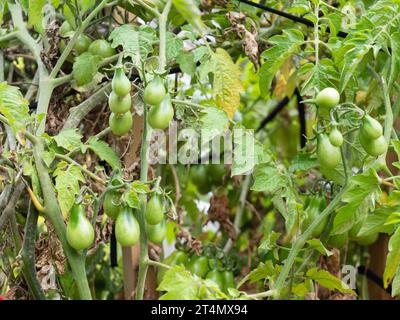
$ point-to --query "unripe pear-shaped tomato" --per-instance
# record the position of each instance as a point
(82, 43)
(216, 276)
(327, 154)
(80, 233)
(119, 104)
(371, 128)
(154, 92)
(120, 124)
(228, 280)
(101, 48)
(157, 232)
(112, 204)
(154, 212)
(336, 137)
(327, 98)
(127, 230)
(198, 265)
(374, 147)
(120, 83)
(161, 115)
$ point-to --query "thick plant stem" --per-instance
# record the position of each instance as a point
(300, 241)
(163, 36)
(28, 255)
(143, 266)
(53, 213)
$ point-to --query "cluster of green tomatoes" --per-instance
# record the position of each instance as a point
(328, 146)
(206, 265)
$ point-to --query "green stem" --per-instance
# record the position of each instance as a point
(163, 36)
(53, 213)
(157, 264)
(143, 266)
(83, 169)
(9, 36)
(300, 241)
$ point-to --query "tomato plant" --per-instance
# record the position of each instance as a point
(251, 144)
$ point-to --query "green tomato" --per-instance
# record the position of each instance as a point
(327, 154)
(327, 98)
(338, 241)
(228, 280)
(154, 92)
(157, 232)
(161, 115)
(154, 212)
(216, 173)
(119, 104)
(80, 232)
(112, 204)
(216, 276)
(177, 257)
(65, 28)
(374, 147)
(82, 44)
(127, 230)
(368, 239)
(120, 83)
(198, 265)
(101, 48)
(120, 124)
(336, 137)
(371, 128)
(198, 175)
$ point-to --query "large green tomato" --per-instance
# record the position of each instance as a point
(327, 98)
(101, 48)
(161, 115)
(112, 204)
(198, 265)
(216, 276)
(328, 155)
(154, 92)
(228, 280)
(374, 147)
(120, 124)
(157, 232)
(80, 232)
(82, 44)
(154, 213)
(371, 128)
(120, 83)
(127, 230)
(119, 104)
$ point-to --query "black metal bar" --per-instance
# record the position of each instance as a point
(292, 17)
(273, 113)
(374, 278)
(302, 119)
(113, 249)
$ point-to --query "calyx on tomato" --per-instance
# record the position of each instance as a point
(80, 233)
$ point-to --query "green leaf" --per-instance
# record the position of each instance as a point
(375, 222)
(48, 157)
(104, 152)
(68, 139)
(186, 62)
(86, 5)
(174, 46)
(132, 199)
(85, 68)
(329, 281)
(395, 54)
(317, 245)
(263, 271)
(137, 42)
(303, 162)
(214, 123)
(190, 11)
(270, 242)
(362, 187)
(35, 14)
(14, 106)
(67, 185)
(396, 284)
(267, 178)
(284, 46)
(140, 187)
(244, 153)
(393, 258)
(227, 85)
